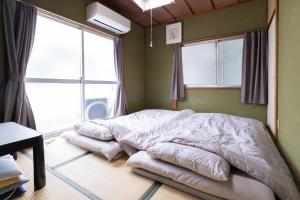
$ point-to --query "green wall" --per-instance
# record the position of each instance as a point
(133, 45)
(235, 19)
(134, 68)
(289, 82)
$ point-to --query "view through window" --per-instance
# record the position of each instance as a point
(70, 76)
(213, 64)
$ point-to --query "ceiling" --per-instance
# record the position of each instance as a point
(170, 13)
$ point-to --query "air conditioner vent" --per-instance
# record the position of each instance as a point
(104, 17)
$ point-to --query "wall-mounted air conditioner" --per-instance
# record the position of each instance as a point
(102, 16)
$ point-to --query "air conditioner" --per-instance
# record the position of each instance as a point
(102, 16)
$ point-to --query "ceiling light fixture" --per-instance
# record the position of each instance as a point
(150, 4)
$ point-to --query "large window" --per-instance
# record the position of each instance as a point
(213, 64)
(70, 76)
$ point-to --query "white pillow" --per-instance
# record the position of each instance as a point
(109, 149)
(8, 168)
(197, 160)
(93, 130)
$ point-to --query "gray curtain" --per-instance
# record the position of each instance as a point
(255, 68)
(177, 85)
(120, 106)
(19, 20)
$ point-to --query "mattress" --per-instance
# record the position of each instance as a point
(239, 186)
(110, 149)
(174, 184)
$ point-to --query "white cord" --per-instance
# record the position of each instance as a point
(26, 174)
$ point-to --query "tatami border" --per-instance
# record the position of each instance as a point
(146, 196)
(67, 180)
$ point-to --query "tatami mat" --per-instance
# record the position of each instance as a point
(107, 180)
(57, 151)
(55, 189)
(78, 175)
(169, 193)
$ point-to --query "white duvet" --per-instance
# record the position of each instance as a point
(242, 142)
(141, 121)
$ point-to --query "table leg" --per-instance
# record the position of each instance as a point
(39, 164)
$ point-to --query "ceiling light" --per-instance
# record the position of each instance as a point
(150, 4)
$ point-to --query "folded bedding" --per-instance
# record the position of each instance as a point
(110, 149)
(238, 187)
(244, 143)
(93, 130)
(197, 160)
(11, 184)
(9, 168)
(117, 128)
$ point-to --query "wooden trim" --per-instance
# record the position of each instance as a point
(212, 88)
(276, 16)
(169, 12)
(213, 6)
(277, 71)
(174, 105)
(73, 23)
(153, 18)
(189, 7)
(215, 38)
(273, 15)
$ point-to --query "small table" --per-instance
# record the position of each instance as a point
(15, 137)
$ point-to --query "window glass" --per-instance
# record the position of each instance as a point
(56, 51)
(58, 54)
(199, 63)
(99, 104)
(55, 106)
(213, 64)
(98, 58)
(230, 57)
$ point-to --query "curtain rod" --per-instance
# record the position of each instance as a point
(70, 21)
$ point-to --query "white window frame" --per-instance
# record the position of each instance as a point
(216, 41)
(81, 79)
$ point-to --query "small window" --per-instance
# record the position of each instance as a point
(213, 64)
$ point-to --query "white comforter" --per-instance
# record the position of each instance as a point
(142, 121)
(243, 142)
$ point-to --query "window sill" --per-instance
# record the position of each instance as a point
(212, 87)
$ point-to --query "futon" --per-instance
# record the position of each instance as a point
(242, 142)
(103, 137)
(109, 149)
(239, 186)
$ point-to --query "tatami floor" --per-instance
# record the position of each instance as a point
(73, 173)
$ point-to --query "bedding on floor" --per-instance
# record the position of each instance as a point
(93, 130)
(242, 142)
(110, 149)
(180, 138)
(239, 186)
(101, 134)
(197, 160)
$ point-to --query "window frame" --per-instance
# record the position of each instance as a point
(215, 40)
(81, 80)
